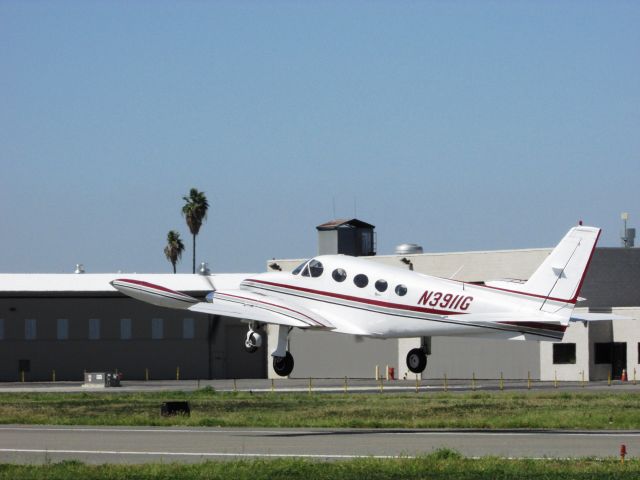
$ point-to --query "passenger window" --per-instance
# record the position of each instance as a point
(315, 268)
(401, 290)
(361, 280)
(339, 275)
(299, 268)
(381, 285)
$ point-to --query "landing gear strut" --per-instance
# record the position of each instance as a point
(282, 359)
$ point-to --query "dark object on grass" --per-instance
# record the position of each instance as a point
(175, 408)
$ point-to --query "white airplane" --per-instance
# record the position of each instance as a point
(355, 296)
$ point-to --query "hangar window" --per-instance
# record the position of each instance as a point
(401, 290)
(339, 275)
(361, 280)
(30, 329)
(157, 328)
(299, 268)
(125, 329)
(381, 285)
(62, 325)
(564, 353)
(315, 268)
(94, 329)
(188, 328)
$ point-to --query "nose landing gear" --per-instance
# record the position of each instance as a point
(253, 341)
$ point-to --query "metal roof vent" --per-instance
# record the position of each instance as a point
(79, 268)
(408, 249)
(204, 269)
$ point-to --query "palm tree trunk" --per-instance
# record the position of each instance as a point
(194, 253)
(174, 266)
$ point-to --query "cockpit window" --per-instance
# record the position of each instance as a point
(298, 269)
(305, 271)
(315, 268)
(339, 275)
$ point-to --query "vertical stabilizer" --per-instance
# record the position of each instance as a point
(561, 275)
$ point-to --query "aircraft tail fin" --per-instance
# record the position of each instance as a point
(561, 275)
(557, 282)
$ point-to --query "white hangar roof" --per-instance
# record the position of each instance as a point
(98, 283)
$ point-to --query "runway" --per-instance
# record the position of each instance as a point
(96, 445)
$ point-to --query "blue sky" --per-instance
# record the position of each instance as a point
(457, 125)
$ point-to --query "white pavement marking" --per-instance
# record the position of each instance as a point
(144, 430)
(197, 454)
(323, 431)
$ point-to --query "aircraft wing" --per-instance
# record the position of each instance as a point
(261, 308)
(239, 304)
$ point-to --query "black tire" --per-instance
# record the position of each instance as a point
(416, 360)
(283, 366)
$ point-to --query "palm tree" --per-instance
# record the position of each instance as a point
(175, 247)
(195, 212)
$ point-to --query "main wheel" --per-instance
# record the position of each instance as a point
(416, 360)
(283, 366)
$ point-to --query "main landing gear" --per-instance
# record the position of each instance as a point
(417, 357)
(283, 366)
(282, 359)
(416, 360)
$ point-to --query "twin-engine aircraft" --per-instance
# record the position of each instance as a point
(354, 296)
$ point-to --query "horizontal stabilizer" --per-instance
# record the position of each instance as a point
(596, 317)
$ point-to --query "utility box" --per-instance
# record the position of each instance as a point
(349, 237)
(101, 380)
(175, 408)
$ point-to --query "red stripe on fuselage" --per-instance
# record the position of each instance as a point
(359, 299)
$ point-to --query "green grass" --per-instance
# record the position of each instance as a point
(441, 465)
(494, 410)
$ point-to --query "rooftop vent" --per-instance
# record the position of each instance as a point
(408, 249)
(79, 268)
(204, 269)
(628, 235)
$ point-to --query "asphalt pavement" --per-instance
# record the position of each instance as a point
(97, 445)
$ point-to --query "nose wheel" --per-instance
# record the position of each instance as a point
(253, 341)
(283, 366)
(416, 360)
